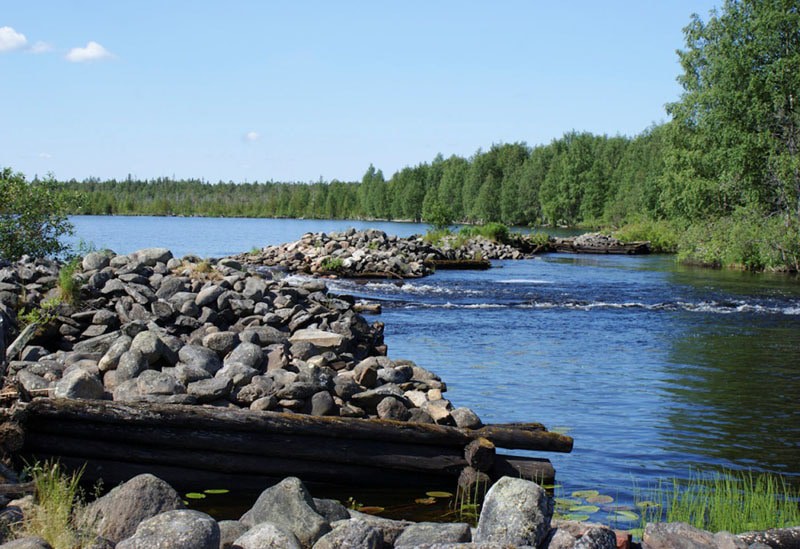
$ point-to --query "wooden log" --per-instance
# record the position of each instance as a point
(460, 264)
(389, 455)
(19, 489)
(480, 454)
(539, 470)
(371, 308)
(208, 418)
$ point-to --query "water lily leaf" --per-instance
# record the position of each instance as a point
(439, 494)
(560, 429)
(647, 504)
(550, 486)
(371, 510)
(576, 517)
(584, 509)
(567, 502)
(583, 494)
(216, 491)
(425, 501)
(195, 495)
(599, 499)
(626, 515)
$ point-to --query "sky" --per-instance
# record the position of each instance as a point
(253, 90)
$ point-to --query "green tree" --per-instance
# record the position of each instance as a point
(33, 217)
(737, 124)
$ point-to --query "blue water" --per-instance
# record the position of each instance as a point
(655, 369)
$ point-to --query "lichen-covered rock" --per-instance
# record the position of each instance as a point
(515, 512)
(425, 533)
(351, 533)
(179, 529)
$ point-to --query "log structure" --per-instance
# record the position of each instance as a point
(191, 445)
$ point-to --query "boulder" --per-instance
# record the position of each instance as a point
(424, 533)
(33, 542)
(179, 529)
(266, 535)
(149, 345)
(229, 531)
(515, 512)
(151, 256)
(351, 533)
(79, 384)
(289, 505)
(197, 355)
(320, 338)
(116, 515)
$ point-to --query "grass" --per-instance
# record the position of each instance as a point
(734, 501)
(332, 264)
(58, 499)
(69, 286)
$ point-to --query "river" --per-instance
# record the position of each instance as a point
(655, 369)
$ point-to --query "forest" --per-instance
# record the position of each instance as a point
(719, 182)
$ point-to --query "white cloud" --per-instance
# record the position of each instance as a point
(11, 39)
(92, 52)
(41, 47)
(252, 136)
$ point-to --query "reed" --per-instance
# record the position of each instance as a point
(730, 500)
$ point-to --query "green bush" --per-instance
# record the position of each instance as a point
(33, 217)
(663, 235)
(493, 231)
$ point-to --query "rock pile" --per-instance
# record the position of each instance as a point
(150, 327)
(373, 253)
(146, 512)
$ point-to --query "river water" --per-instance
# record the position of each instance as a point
(655, 369)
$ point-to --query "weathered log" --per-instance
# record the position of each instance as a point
(536, 469)
(371, 308)
(17, 489)
(460, 264)
(207, 418)
(97, 437)
(480, 454)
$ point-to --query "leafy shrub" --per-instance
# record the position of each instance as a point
(493, 231)
(68, 285)
(33, 217)
(662, 235)
(332, 264)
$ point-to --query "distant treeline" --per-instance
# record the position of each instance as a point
(578, 179)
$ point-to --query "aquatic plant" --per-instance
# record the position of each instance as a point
(58, 499)
(735, 501)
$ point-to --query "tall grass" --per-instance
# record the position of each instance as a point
(734, 501)
(68, 285)
(58, 499)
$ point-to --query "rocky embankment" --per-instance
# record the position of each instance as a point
(146, 512)
(148, 327)
(373, 253)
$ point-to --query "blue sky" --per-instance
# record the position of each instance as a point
(295, 91)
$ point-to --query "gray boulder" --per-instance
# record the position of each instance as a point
(94, 261)
(267, 536)
(151, 256)
(27, 543)
(515, 512)
(197, 355)
(248, 354)
(351, 533)
(597, 538)
(179, 529)
(229, 531)
(79, 383)
(149, 345)
(423, 533)
(153, 382)
(676, 535)
(390, 529)
(331, 509)
(289, 505)
(110, 360)
(116, 515)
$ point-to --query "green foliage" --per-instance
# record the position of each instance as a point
(745, 240)
(332, 264)
(664, 236)
(436, 237)
(33, 217)
(734, 501)
(58, 500)
(493, 231)
(440, 216)
(69, 285)
(42, 315)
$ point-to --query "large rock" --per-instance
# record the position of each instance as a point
(34, 542)
(351, 533)
(180, 529)
(149, 345)
(197, 355)
(676, 535)
(320, 338)
(248, 354)
(79, 383)
(515, 512)
(289, 505)
(776, 537)
(151, 256)
(423, 533)
(267, 536)
(116, 515)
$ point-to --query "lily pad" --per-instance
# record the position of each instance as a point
(647, 504)
(576, 517)
(583, 494)
(371, 510)
(439, 494)
(195, 495)
(626, 516)
(425, 501)
(584, 509)
(567, 502)
(216, 491)
(551, 486)
(599, 499)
